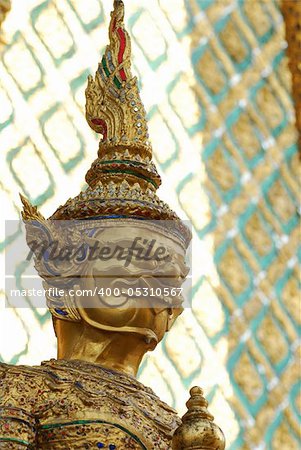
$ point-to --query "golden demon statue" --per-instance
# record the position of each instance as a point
(89, 398)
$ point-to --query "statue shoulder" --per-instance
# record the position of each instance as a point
(10, 370)
(19, 384)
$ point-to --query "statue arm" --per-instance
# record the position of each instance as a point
(17, 424)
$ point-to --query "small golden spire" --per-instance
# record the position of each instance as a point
(198, 432)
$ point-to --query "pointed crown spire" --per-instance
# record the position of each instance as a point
(114, 109)
(113, 105)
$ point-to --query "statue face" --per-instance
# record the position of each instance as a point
(136, 277)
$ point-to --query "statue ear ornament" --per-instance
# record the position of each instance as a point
(121, 195)
(62, 307)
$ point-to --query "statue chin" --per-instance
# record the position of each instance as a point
(151, 325)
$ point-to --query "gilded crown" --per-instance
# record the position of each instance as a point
(123, 180)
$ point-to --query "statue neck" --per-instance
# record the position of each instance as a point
(114, 350)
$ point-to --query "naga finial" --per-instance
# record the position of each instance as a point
(30, 212)
(113, 105)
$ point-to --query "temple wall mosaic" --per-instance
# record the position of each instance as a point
(216, 84)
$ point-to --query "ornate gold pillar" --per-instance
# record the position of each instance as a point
(291, 10)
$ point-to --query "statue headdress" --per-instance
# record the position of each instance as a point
(123, 180)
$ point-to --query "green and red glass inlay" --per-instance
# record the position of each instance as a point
(102, 124)
(131, 172)
(122, 161)
(122, 41)
(108, 73)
